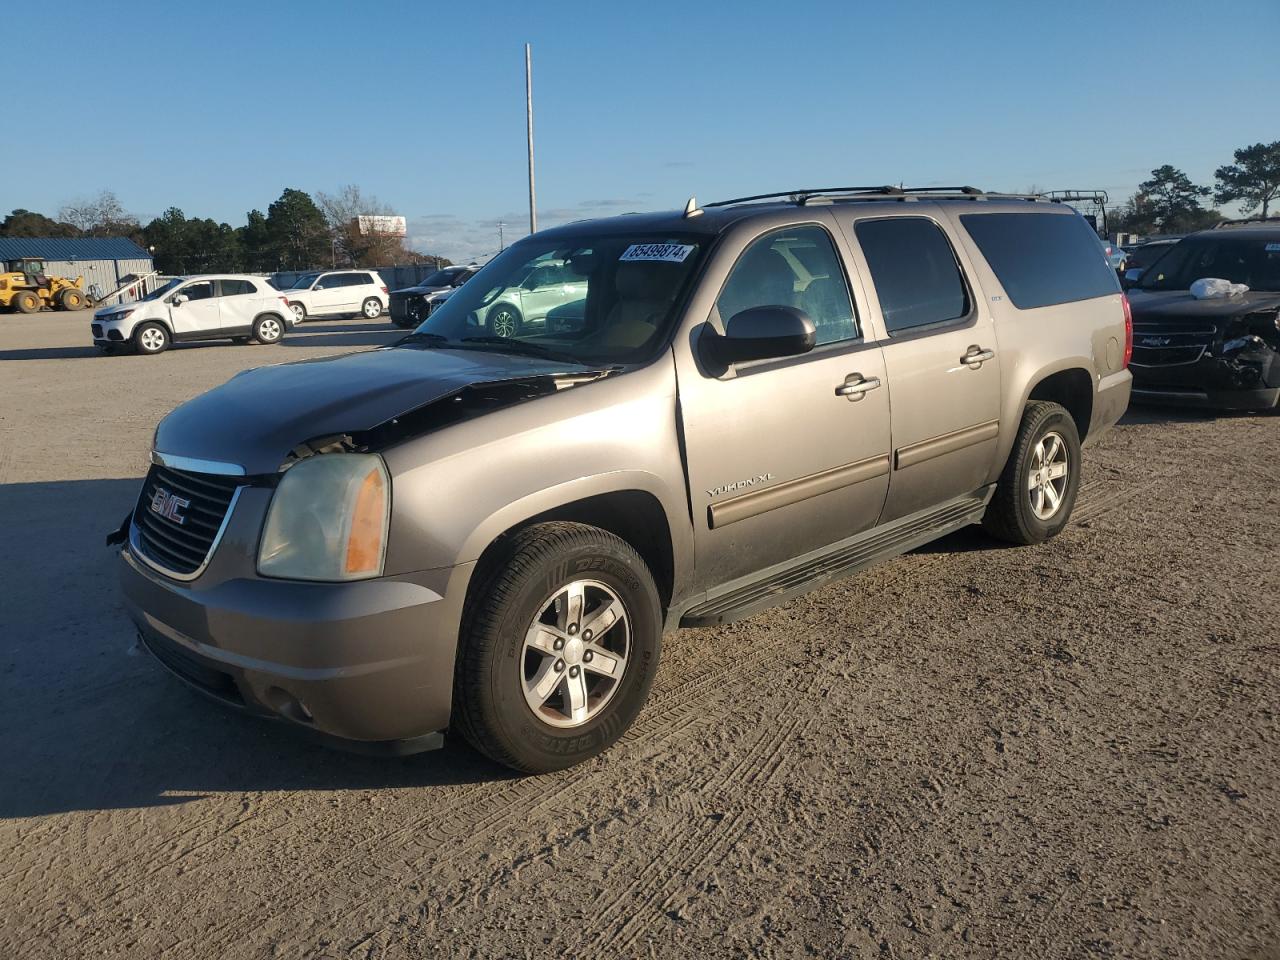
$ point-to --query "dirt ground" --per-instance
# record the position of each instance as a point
(1070, 750)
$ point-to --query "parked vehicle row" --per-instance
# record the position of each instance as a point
(223, 307)
(617, 428)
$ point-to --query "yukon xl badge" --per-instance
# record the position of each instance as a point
(168, 506)
(739, 485)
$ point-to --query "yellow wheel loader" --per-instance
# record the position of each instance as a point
(25, 288)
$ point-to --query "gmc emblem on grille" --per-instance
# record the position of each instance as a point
(168, 506)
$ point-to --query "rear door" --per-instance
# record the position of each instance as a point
(782, 458)
(199, 314)
(941, 355)
(237, 305)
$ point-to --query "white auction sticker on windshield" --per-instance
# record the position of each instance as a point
(1273, 248)
(657, 252)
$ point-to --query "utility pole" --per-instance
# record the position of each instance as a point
(502, 245)
(528, 96)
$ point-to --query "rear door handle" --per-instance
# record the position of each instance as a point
(976, 356)
(855, 385)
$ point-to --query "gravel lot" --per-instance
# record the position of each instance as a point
(1064, 751)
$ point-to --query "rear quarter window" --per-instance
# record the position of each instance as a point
(1042, 259)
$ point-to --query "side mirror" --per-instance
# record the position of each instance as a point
(1131, 277)
(764, 333)
(180, 299)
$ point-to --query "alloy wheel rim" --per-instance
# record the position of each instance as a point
(298, 312)
(372, 309)
(1048, 476)
(152, 339)
(504, 324)
(575, 653)
(269, 330)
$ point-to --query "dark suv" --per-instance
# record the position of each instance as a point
(410, 306)
(1222, 352)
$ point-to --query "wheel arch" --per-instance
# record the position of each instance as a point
(1071, 388)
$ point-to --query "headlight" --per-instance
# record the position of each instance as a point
(328, 520)
(118, 315)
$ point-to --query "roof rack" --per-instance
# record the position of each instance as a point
(1078, 196)
(1241, 221)
(828, 194)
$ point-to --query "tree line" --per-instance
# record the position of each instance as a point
(298, 232)
(1169, 202)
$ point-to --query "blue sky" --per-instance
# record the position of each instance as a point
(217, 108)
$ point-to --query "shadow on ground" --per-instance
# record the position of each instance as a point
(92, 722)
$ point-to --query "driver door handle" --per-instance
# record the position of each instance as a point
(855, 385)
(976, 356)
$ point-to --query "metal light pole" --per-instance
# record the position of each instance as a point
(528, 95)
(502, 244)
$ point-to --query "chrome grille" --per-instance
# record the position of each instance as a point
(1165, 343)
(179, 516)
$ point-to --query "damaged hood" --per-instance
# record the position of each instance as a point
(257, 417)
(1181, 305)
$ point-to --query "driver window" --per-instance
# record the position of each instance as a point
(202, 290)
(794, 267)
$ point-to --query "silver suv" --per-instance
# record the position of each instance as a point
(489, 531)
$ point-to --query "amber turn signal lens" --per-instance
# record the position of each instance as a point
(368, 526)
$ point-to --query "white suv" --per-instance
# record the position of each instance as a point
(222, 307)
(336, 293)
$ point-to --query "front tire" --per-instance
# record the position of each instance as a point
(560, 643)
(504, 321)
(371, 308)
(299, 312)
(268, 329)
(71, 299)
(151, 338)
(1037, 490)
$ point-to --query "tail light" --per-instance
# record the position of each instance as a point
(1128, 331)
(386, 291)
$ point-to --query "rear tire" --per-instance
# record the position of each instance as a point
(268, 329)
(151, 338)
(371, 308)
(24, 301)
(1037, 489)
(527, 584)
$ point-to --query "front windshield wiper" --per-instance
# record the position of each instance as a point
(524, 347)
(421, 336)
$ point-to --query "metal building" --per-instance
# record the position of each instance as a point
(104, 262)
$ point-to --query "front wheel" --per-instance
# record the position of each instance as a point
(372, 308)
(71, 299)
(1037, 490)
(151, 338)
(504, 321)
(299, 312)
(268, 329)
(560, 644)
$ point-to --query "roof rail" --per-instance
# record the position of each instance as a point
(827, 194)
(1241, 221)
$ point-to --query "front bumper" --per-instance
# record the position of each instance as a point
(1242, 381)
(367, 665)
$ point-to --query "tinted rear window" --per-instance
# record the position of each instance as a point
(1042, 258)
(914, 271)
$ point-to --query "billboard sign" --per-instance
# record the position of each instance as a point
(382, 226)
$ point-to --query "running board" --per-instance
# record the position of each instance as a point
(797, 577)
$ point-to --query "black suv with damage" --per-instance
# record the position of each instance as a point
(410, 306)
(1221, 352)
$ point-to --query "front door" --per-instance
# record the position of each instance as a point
(942, 360)
(784, 456)
(329, 294)
(199, 313)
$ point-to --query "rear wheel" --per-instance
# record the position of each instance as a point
(372, 308)
(268, 329)
(559, 647)
(71, 299)
(24, 301)
(151, 338)
(1037, 490)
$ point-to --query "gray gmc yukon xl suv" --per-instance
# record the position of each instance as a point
(490, 535)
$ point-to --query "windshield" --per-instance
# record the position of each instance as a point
(441, 278)
(593, 300)
(303, 282)
(1254, 261)
(161, 291)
